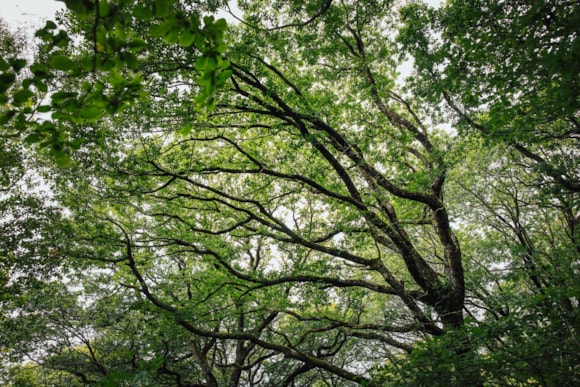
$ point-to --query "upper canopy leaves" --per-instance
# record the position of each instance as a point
(108, 65)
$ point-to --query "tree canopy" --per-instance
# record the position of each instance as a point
(266, 202)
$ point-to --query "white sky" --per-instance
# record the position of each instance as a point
(28, 13)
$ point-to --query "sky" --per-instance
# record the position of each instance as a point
(28, 13)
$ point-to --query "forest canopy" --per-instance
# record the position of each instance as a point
(267, 201)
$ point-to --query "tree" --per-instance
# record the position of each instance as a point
(267, 206)
(11, 47)
(29, 233)
(511, 74)
(522, 292)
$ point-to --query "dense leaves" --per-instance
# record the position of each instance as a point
(268, 204)
(507, 69)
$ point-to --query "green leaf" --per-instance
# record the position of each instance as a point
(104, 8)
(61, 39)
(218, 28)
(44, 108)
(187, 38)
(61, 96)
(4, 65)
(221, 49)
(211, 64)
(186, 129)
(208, 20)
(6, 116)
(158, 30)
(222, 78)
(201, 63)
(17, 64)
(76, 144)
(41, 86)
(91, 112)
(6, 80)
(22, 96)
(50, 25)
(33, 138)
(62, 159)
(142, 12)
(80, 7)
(61, 62)
(162, 8)
(39, 70)
(137, 44)
(43, 35)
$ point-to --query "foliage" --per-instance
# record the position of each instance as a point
(108, 77)
(267, 204)
(508, 69)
